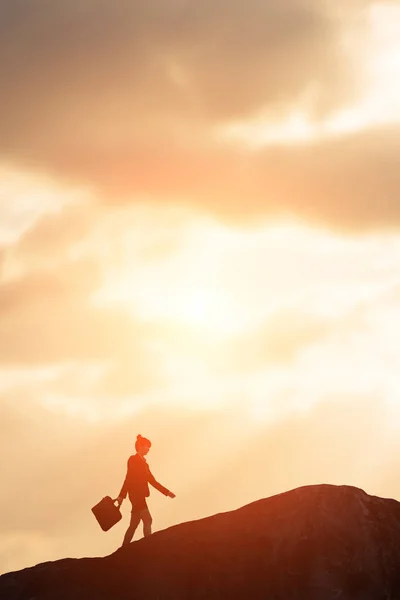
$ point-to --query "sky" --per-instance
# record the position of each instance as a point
(200, 243)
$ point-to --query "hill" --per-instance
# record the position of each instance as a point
(316, 542)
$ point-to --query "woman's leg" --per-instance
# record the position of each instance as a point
(130, 532)
(147, 521)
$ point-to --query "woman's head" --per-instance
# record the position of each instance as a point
(142, 445)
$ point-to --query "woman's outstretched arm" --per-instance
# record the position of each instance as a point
(152, 480)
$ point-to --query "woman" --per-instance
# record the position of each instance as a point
(136, 485)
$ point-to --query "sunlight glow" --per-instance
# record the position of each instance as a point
(185, 288)
(195, 306)
(273, 316)
(197, 287)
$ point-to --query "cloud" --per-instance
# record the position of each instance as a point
(350, 181)
(127, 97)
(56, 233)
(159, 58)
(47, 310)
(49, 317)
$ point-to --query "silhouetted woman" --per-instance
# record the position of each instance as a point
(136, 485)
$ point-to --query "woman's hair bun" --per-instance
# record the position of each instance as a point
(142, 440)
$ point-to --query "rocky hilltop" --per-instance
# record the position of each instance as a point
(316, 542)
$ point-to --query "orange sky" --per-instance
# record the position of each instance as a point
(199, 242)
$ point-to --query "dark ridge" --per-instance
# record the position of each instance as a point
(316, 542)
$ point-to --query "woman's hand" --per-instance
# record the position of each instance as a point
(171, 494)
(119, 500)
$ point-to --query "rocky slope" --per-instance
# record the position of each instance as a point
(316, 542)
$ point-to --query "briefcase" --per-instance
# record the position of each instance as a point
(106, 513)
